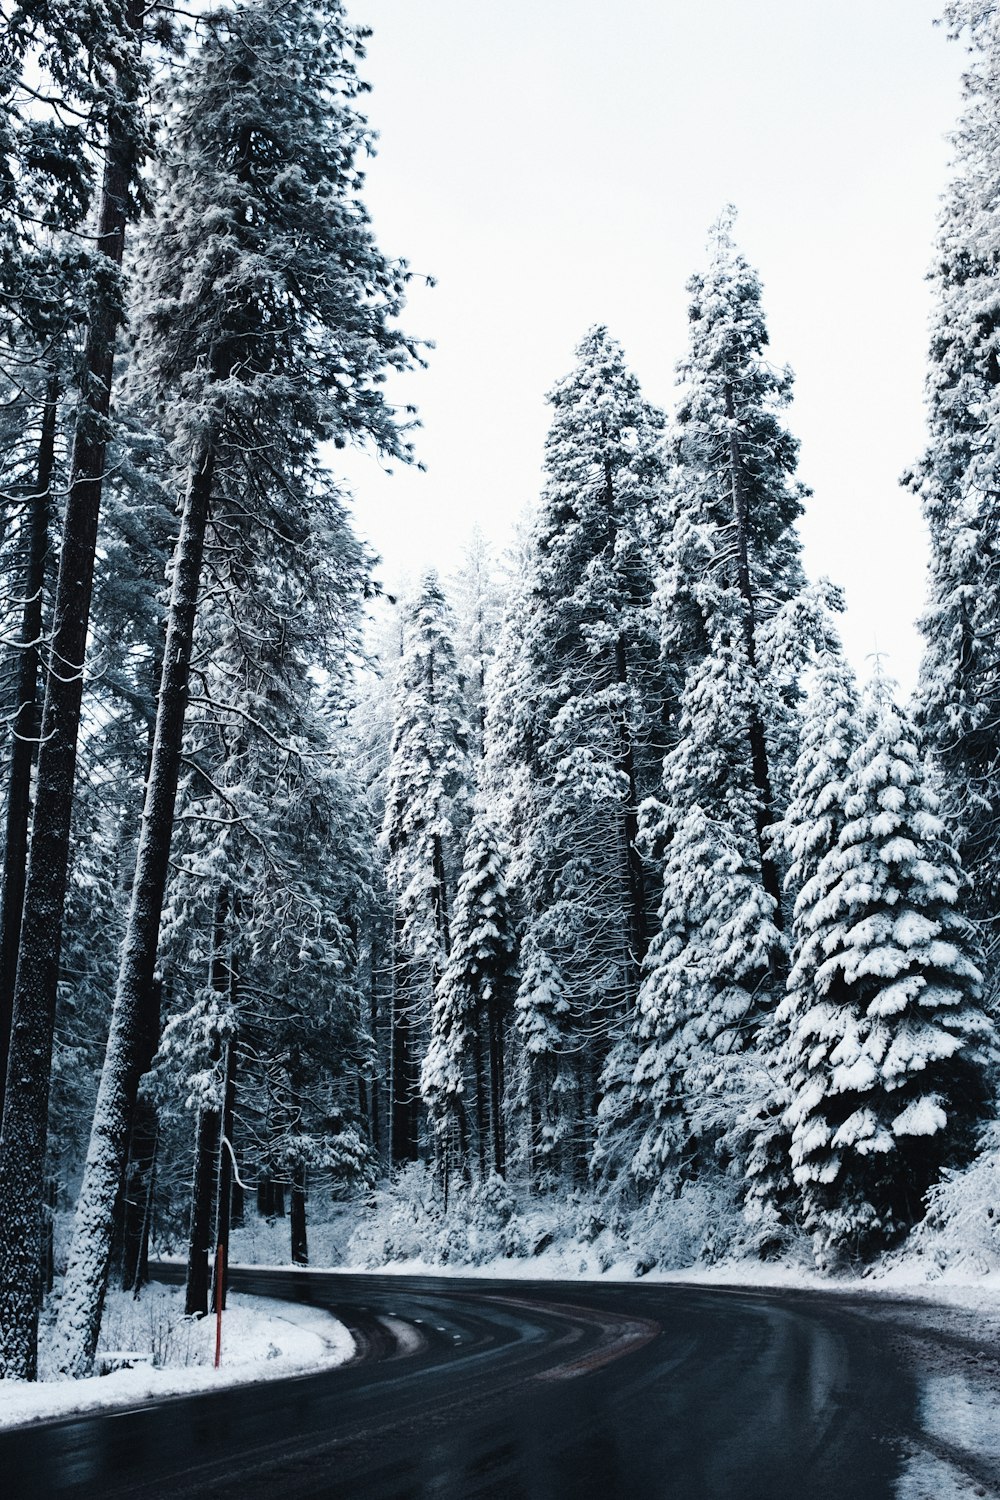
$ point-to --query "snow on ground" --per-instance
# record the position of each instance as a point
(262, 1338)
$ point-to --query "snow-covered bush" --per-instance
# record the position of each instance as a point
(962, 1226)
(698, 1225)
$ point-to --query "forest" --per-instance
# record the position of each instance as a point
(582, 893)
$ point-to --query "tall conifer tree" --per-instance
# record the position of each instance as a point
(577, 723)
(886, 1037)
(264, 327)
(958, 481)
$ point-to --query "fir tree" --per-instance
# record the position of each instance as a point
(831, 732)
(473, 998)
(96, 59)
(427, 791)
(957, 480)
(683, 1081)
(265, 311)
(712, 965)
(885, 1031)
(576, 723)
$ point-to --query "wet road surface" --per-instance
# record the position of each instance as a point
(517, 1390)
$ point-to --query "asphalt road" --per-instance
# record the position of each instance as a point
(519, 1390)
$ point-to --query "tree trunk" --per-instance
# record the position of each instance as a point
(297, 1217)
(206, 1166)
(634, 872)
(477, 1064)
(141, 1167)
(87, 1273)
(25, 1121)
(760, 768)
(138, 1196)
(374, 1092)
(441, 898)
(497, 1089)
(208, 1139)
(404, 1066)
(49, 1235)
(224, 1213)
(27, 723)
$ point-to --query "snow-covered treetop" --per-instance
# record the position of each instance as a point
(730, 391)
(262, 296)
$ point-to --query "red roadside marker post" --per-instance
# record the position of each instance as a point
(219, 1268)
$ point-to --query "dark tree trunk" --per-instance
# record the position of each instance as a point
(760, 768)
(207, 1141)
(265, 1196)
(27, 723)
(49, 1235)
(297, 1217)
(441, 897)
(404, 1065)
(137, 1198)
(374, 1092)
(497, 1042)
(634, 872)
(91, 1248)
(25, 1122)
(477, 1064)
(224, 1214)
(238, 1215)
(206, 1164)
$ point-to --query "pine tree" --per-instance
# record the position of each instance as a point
(427, 793)
(679, 1087)
(265, 312)
(577, 722)
(732, 550)
(886, 1035)
(712, 966)
(476, 597)
(957, 481)
(474, 997)
(96, 59)
(831, 732)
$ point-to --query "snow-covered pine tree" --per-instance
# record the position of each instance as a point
(94, 60)
(577, 728)
(264, 322)
(426, 809)
(476, 598)
(958, 481)
(474, 998)
(886, 1035)
(713, 965)
(831, 732)
(732, 542)
(679, 1086)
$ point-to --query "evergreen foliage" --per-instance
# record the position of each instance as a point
(959, 693)
(886, 1034)
(577, 724)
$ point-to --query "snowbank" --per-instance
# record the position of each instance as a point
(262, 1338)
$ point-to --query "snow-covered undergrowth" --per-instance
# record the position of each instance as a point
(962, 1228)
(172, 1355)
(405, 1222)
(703, 1230)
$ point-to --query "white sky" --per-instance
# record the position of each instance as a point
(556, 163)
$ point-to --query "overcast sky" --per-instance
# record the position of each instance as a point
(557, 163)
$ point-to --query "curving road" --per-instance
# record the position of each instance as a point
(519, 1390)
